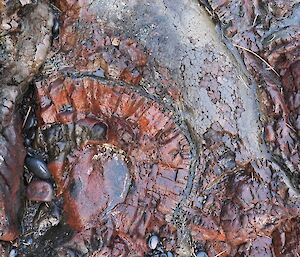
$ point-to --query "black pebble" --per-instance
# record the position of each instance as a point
(31, 152)
(30, 134)
(30, 122)
(27, 141)
(99, 131)
(38, 167)
(55, 28)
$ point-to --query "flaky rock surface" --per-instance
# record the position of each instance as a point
(152, 126)
(175, 58)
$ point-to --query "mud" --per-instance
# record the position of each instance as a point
(150, 125)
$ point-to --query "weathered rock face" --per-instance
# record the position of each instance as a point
(201, 176)
(24, 41)
(259, 28)
(172, 43)
(151, 126)
(271, 30)
(136, 165)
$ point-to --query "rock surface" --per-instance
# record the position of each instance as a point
(24, 41)
(259, 30)
(152, 126)
(175, 58)
(11, 168)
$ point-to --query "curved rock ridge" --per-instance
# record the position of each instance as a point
(133, 173)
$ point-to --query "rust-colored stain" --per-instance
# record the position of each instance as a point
(132, 174)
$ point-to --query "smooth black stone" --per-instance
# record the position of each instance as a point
(30, 122)
(38, 167)
(27, 142)
(30, 134)
(55, 28)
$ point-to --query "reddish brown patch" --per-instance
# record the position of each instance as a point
(97, 51)
(143, 150)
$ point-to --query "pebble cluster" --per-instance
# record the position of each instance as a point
(39, 188)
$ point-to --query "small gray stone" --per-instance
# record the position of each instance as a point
(153, 242)
(201, 254)
(170, 254)
(13, 253)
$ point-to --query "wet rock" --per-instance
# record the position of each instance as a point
(40, 191)
(21, 55)
(115, 161)
(113, 164)
(277, 42)
(38, 167)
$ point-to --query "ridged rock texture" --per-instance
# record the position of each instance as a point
(153, 123)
